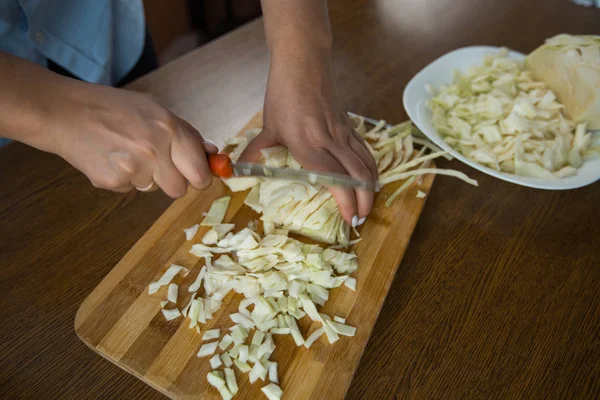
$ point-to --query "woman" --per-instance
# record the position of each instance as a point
(123, 140)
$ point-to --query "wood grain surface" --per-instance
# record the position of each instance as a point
(496, 297)
(124, 324)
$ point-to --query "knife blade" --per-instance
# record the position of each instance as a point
(325, 179)
(222, 166)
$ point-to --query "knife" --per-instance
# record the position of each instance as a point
(371, 121)
(222, 167)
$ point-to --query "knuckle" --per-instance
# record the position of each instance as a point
(127, 164)
(147, 147)
(168, 123)
(161, 116)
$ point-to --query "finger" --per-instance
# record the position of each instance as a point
(264, 140)
(356, 168)
(151, 187)
(209, 146)
(364, 197)
(112, 183)
(188, 153)
(364, 153)
(321, 160)
(132, 173)
(170, 180)
(124, 189)
(118, 177)
(357, 143)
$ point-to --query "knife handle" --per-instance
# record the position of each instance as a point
(220, 165)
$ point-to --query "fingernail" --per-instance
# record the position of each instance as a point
(355, 221)
(362, 221)
(209, 142)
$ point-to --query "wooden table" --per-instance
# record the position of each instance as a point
(498, 295)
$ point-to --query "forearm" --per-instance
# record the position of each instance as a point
(28, 96)
(296, 29)
(303, 109)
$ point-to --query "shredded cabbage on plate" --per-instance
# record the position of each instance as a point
(498, 116)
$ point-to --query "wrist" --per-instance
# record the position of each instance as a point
(64, 107)
(299, 61)
(45, 132)
(293, 50)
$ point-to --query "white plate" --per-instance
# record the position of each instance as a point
(439, 73)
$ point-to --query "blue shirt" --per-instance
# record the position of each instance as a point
(97, 41)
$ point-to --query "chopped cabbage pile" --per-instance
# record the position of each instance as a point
(498, 116)
(282, 281)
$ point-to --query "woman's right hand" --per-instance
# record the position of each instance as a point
(123, 140)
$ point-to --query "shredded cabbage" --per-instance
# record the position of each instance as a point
(498, 116)
(217, 211)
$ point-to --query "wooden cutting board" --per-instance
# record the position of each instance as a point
(121, 322)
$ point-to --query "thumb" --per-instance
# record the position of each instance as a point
(209, 146)
(264, 140)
